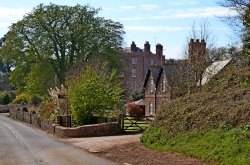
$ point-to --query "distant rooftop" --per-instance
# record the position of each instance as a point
(212, 70)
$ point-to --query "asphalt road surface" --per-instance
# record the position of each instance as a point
(21, 144)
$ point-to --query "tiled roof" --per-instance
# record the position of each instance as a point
(176, 73)
(155, 72)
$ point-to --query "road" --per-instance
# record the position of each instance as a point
(21, 144)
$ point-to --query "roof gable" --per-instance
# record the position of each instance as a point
(154, 72)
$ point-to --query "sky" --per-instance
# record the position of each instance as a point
(167, 22)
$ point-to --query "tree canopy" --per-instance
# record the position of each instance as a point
(240, 21)
(58, 36)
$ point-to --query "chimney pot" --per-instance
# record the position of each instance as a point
(133, 47)
(146, 47)
(159, 49)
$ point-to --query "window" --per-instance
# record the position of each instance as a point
(134, 60)
(152, 62)
(163, 85)
(150, 108)
(133, 72)
(152, 85)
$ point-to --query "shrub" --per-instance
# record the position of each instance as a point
(21, 99)
(5, 98)
(92, 93)
(48, 108)
(134, 110)
(35, 100)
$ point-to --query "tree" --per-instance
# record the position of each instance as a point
(202, 31)
(39, 78)
(199, 55)
(60, 35)
(238, 8)
(240, 22)
(92, 92)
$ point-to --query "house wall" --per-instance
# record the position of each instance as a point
(144, 59)
(129, 82)
(162, 96)
(150, 100)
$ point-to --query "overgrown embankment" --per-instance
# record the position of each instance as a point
(213, 124)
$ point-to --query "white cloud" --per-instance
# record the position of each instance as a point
(4, 24)
(127, 7)
(197, 13)
(155, 28)
(185, 13)
(184, 2)
(149, 7)
(11, 15)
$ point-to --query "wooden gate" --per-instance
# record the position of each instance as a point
(132, 124)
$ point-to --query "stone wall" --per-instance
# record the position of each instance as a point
(104, 129)
(6, 108)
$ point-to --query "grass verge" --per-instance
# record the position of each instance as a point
(217, 146)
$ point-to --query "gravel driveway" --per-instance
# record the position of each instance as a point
(127, 150)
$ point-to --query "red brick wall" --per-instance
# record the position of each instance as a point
(143, 62)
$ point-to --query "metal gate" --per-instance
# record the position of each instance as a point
(132, 124)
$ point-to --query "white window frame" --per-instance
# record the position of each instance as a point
(134, 60)
(152, 85)
(164, 85)
(150, 108)
(133, 72)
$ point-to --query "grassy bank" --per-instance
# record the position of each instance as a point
(212, 124)
(217, 146)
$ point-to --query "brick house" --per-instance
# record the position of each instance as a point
(136, 62)
(166, 82)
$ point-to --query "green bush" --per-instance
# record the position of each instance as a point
(92, 93)
(35, 100)
(5, 98)
(22, 98)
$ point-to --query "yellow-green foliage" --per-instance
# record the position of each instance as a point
(21, 99)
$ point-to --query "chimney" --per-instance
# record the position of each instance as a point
(197, 51)
(159, 49)
(146, 47)
(133, 47)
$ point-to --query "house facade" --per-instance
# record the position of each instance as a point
(164, 83)
(170, 80)
(136, 62)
